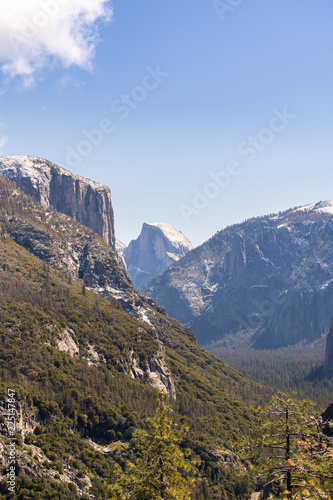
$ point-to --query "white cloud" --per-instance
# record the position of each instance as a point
(37, 33)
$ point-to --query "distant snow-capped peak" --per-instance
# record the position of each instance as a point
(172, 234)
(323, 206)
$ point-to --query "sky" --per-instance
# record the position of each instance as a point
(199, 114)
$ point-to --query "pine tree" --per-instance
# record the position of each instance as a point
(293, 450)
(163, 471)
(315, 456)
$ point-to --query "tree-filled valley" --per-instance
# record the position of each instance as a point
(88, 367)
(83, 373)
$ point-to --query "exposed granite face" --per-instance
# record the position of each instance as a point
(270, 276)
(78, 253)
(328, 366)
(86, 201)
(69, 247)
(158, 246)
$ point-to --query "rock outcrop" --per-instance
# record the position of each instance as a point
(69, 247)
(158, 246)
(52, 186)
(270, 276)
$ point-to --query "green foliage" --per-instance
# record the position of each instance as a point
(37, 488)
(162, 471)
(83, 403)
(290, 448)
(286, 369)
(77, 400)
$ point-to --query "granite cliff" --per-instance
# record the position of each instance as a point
(85, 371)
(52, 186)
(328, 365)
(270, 276)
(70, 248)
(158, 246)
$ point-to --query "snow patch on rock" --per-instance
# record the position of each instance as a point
(323, 206)
(173, 235)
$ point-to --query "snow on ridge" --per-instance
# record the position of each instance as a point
(23, 164)
(173, 256)
(172, 234)
(323, 206)
(326, 284)
(37, 169)
(120, 246)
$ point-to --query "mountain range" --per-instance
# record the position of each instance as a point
(270, 276)
(85, 354)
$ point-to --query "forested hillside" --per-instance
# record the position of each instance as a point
(86, 375)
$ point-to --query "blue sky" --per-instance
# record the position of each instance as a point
(205, 118)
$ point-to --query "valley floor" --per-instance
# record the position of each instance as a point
(292, 368)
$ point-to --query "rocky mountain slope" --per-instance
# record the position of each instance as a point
(71, 248)
(86, 201)
(271, 276)
(85, 372)
(158, 246)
